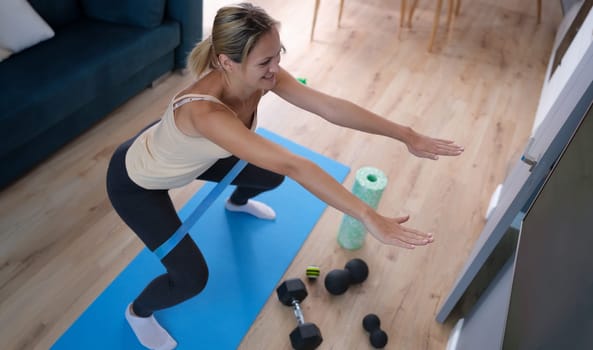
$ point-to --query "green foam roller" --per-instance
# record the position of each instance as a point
(368, 186)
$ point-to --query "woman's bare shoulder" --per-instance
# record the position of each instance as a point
(209, 85)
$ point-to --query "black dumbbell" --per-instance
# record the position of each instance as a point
(306, 336)
(337, 281)
(377, 337)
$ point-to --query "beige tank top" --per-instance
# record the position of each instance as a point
(163, 157)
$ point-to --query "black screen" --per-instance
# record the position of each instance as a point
(551, 305)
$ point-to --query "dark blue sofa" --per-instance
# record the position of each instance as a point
(103, 53)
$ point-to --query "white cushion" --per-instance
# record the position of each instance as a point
(4, 53)
(20, 26)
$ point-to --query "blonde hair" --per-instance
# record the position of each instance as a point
(235, 32)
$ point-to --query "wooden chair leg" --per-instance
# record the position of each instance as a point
(402, 13)
(411, 14)
(539, 11)
(314, 19)
(437, 15)
(340, 13)
(451, 20)
(450, 9)
(457, 6)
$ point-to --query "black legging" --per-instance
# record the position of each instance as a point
(152, 216)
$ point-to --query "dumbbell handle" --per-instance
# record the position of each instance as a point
(298, 313)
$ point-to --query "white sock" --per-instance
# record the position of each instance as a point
(255, 208)
(149, 332)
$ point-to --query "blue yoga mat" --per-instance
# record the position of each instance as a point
(246, 256)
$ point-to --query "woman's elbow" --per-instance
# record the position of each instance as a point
(296, 168)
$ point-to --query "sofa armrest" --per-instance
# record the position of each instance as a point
(189, 15)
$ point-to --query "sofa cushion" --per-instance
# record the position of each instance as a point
(143, 13)
(189, 14)
(20, 26)
(84, 59)
(57, 13)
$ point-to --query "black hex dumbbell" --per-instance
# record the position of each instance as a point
(306, 336)
(337, 281)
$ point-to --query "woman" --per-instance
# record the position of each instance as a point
(209, 126)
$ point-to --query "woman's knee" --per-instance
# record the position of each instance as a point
(275, 180)
(195, 280)
(187, 267)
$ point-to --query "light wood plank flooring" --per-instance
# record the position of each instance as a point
(61, 242)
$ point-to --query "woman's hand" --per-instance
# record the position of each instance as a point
(431, 148)
(390, 231)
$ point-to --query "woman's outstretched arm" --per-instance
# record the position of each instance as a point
(226, 130)
(347, 114)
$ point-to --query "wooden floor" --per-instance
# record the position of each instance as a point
(61, 242)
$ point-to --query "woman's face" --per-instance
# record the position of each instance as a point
(263, 62)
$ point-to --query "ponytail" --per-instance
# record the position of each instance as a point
(201, 58)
